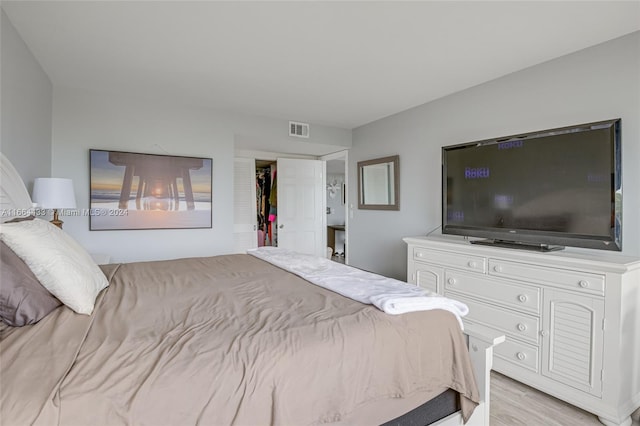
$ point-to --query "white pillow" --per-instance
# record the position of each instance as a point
(61, 265)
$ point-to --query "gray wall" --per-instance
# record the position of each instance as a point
(83, 120)
(594, 84)
(26, 94)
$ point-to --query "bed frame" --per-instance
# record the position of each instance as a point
(444, 409)
(480, 341)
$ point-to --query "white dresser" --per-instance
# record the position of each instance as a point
(572, 320)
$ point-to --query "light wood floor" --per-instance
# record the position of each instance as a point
(516, 404)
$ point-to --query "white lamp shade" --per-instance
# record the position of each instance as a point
(54, 193)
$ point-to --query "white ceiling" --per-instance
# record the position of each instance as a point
(336, 63)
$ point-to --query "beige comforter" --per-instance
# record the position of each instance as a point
(226, 340)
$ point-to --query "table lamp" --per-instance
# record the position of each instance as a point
(54, 193)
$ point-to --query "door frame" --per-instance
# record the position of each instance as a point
(342, 155)
(273, 156)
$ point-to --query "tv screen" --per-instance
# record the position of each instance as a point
(558, 187)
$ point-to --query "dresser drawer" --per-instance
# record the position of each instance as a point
(520, 326)
(501, 292)
(518, 353)
(581, 281)
(454, 260)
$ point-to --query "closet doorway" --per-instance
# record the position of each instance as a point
(280, 203)
(266, 202)
(253, 204)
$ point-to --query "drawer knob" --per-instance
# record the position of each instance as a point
(451, 281)
(544, 333)
(472, 264)
(521, 356)
(521, 327)
(497, 268)
(419, 254)
(522, 298)
(584, 283)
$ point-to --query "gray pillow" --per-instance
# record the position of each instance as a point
(23, 300)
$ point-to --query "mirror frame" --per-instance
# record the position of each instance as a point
(395, 159)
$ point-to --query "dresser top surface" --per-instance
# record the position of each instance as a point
(594, 258)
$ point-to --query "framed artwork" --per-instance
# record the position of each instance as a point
(131, 190)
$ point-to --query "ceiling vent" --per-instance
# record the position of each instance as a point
(300, 130)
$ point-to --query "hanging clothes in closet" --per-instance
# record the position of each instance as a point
(273, 210)
(263, 190)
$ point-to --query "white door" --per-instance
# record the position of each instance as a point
(245, 210)
(301, 219)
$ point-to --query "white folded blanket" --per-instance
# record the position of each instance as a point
(387, 294)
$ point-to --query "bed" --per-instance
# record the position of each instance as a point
(226, 340)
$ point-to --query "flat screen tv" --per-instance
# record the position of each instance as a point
(541, 190)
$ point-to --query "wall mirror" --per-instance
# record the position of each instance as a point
(379, 183)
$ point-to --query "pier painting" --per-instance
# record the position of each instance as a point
(149, 191)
